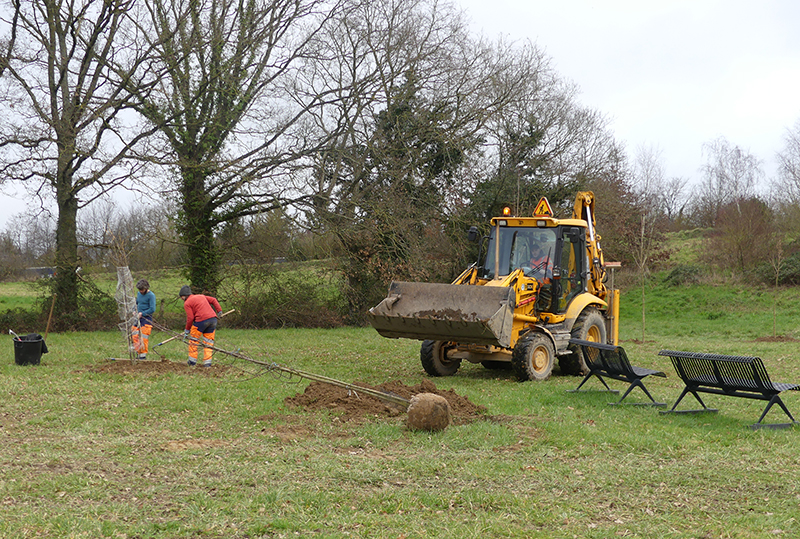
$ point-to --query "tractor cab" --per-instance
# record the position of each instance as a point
(551, 251)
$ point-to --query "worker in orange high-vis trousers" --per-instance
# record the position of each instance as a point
(146, 306)
(201, 323)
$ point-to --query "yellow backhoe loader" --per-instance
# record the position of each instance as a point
(542, 282)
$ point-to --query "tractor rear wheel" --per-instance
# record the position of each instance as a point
(590, 326)
(433, 355)
(533, 357)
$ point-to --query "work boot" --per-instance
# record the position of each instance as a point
(142, 356)
(191, 363)
(206, 364)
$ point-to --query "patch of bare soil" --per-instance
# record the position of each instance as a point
(156, 367)
(351, 405)
(776, 338)
(346, 405)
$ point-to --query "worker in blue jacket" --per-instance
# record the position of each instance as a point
(145, 306)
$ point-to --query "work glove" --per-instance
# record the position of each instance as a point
(185, 334)
(219, 314)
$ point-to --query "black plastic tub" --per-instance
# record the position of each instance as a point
(28, 349)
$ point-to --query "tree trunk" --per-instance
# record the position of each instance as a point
(197, 232)
(643, 310)
(66, 247)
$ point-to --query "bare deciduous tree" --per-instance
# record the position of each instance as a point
(730, 174)
(408, 77)
(785, 186)
(544, 142)
(674, 200)
(233, 120)
(64, 93)
(415, 90)
(788, 180)
(145, 233)
(427, 130)
(744, 235)
(776, 256)
(649, 193)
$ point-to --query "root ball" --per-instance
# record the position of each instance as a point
(428, 411)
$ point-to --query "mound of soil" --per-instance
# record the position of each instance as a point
(346, 405)
(349, 405)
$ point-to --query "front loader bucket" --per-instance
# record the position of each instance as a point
(467, 314)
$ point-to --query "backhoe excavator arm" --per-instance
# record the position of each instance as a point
(584, 209)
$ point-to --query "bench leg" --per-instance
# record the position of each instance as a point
(696, 396)
(586, 379)
(638, 383)
(775, 399)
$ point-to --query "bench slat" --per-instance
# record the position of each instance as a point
(745, 373)
(738, 376)
(609, 361)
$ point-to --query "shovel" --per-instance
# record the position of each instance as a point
(179, 336)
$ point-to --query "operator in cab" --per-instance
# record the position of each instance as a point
(541, 259)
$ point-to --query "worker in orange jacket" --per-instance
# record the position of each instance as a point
(201, 323)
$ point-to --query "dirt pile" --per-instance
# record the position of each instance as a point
(350, 405)
(346, 405)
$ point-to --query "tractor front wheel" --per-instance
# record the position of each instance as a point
(433, 355)
(533, 357)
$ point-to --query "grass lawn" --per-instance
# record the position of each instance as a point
(91, 450)
(18, 295)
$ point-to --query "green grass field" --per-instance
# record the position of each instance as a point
(92, 451)
(21, 295)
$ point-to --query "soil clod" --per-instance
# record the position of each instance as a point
(350, 405)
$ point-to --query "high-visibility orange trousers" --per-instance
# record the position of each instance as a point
(141, 338)
(205, 340)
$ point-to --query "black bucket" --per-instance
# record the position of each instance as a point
(28, 349)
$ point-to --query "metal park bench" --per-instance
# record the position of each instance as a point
(735, 376)
(609, 361)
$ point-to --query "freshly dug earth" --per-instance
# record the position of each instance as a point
(350, 405)
(346, 405)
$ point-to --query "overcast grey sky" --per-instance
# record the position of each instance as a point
(670, 74)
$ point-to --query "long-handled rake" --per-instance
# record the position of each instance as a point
(272, 366)
(425, 411)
